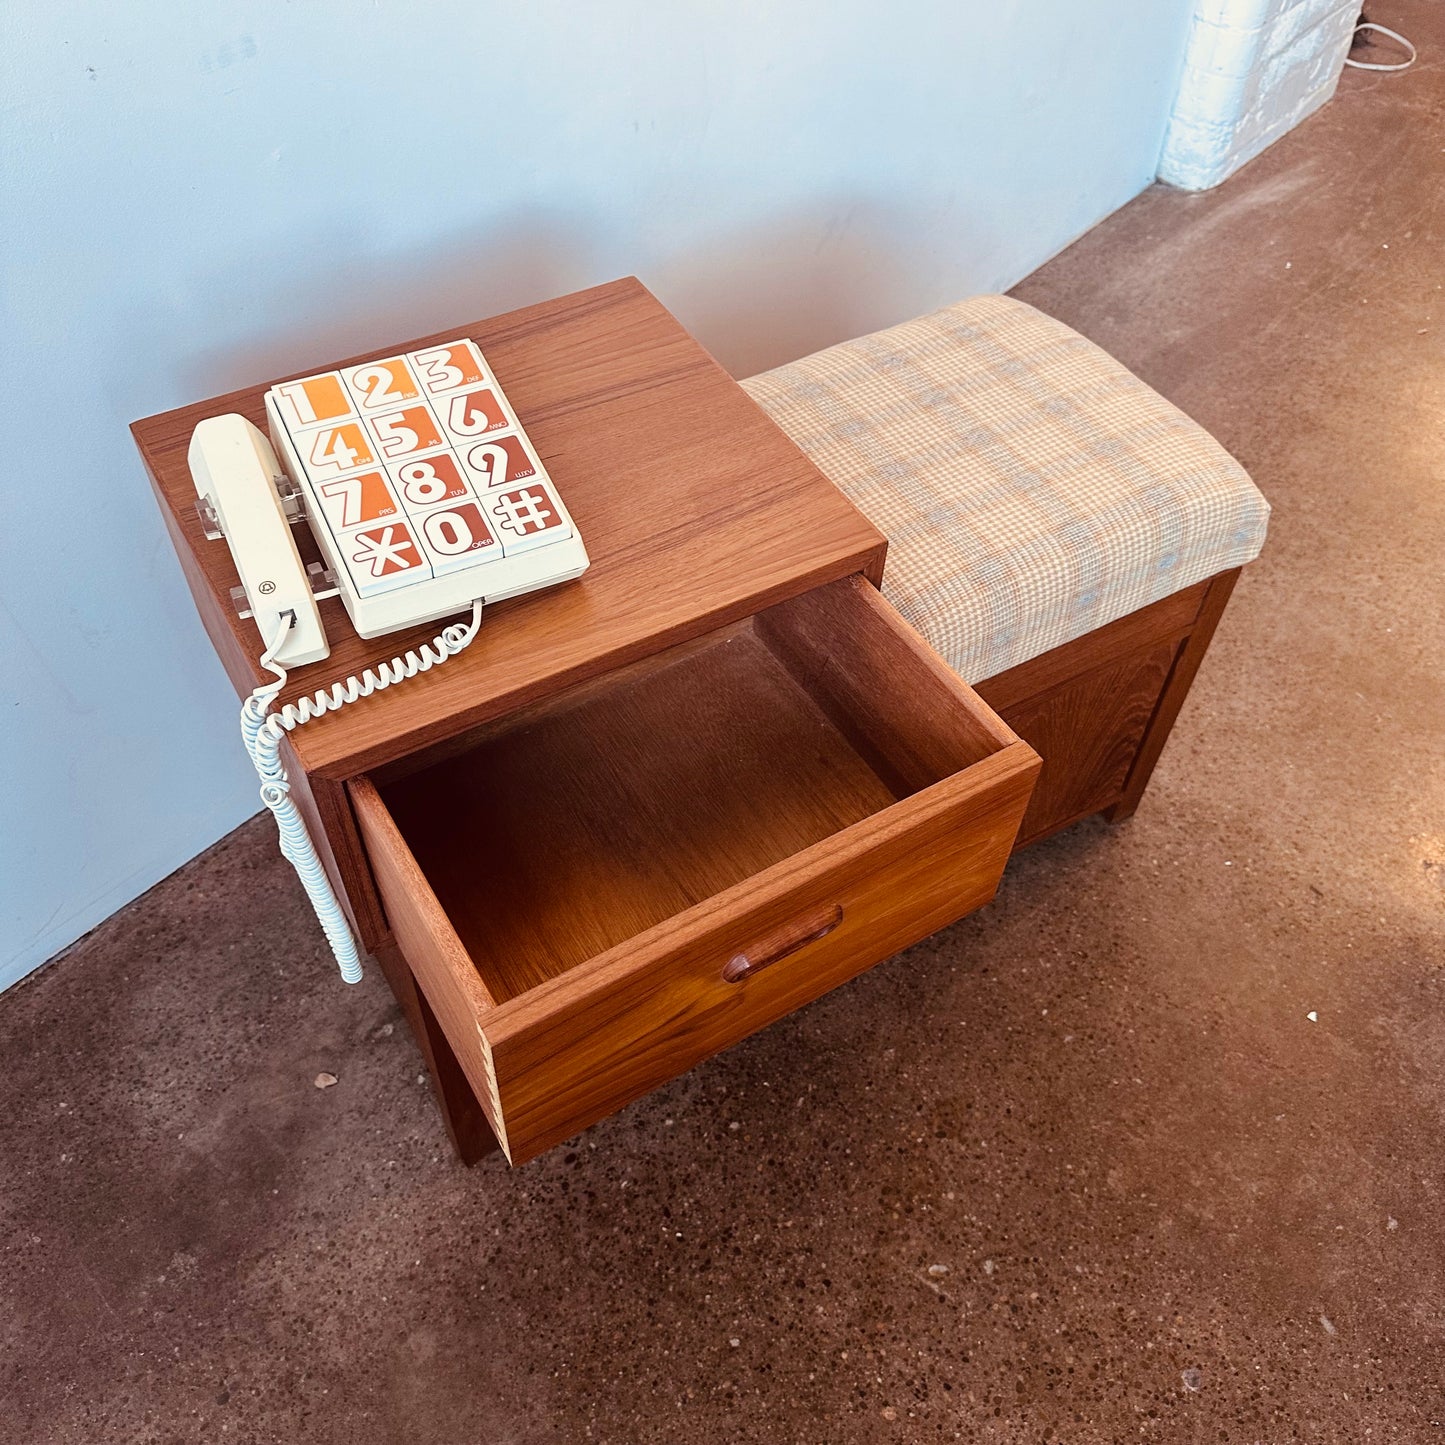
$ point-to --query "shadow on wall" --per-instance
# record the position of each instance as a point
(366, 300)
(756, 298)
(767, 295)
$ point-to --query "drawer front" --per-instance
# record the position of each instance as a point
(576, 1049)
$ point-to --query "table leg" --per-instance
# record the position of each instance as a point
(470, 1133)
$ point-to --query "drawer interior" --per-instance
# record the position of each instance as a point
(581, 823)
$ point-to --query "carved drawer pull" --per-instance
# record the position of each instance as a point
(783, 941)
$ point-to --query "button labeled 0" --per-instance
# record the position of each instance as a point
(457, 537)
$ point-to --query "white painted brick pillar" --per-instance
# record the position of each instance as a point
(1252, 70)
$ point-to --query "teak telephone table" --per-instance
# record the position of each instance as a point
(650, 811)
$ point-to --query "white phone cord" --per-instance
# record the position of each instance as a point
(1394, 35)
(262, 729)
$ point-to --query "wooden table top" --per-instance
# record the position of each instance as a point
(695, 508)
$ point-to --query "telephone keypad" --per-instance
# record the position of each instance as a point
(417, 466)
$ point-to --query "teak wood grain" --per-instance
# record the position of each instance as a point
(1088, 732)
(694, 506)
(1176, 689)
(572, 912)
(552, 840)
(1034, 699)
(1099, 709)
(466, 1124)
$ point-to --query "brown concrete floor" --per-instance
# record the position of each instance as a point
(1169, 1206)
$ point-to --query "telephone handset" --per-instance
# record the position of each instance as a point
(420, 486)
(238, 480)
(425, 497)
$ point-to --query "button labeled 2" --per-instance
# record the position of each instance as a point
(379, 384)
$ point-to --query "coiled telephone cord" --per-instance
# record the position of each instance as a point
(262, 730)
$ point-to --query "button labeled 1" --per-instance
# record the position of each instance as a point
(314, 399)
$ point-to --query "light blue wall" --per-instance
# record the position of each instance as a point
(200, 196)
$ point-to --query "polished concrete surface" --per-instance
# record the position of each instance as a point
(1151, 1149)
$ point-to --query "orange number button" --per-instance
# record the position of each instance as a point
(333, 449)
(357, 499)
(382, 383)
(444, 368)
(473, 413)
(402, 432)
(318, 398)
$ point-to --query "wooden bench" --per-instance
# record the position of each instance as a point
(1063, 536)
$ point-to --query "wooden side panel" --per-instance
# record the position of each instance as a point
(466, 1125)
(895, 699)
(327, 812)
(431, 949)
(1087, 732)
(1099, 709)
(1169, 618)
(580, 1047)
(1181, 678)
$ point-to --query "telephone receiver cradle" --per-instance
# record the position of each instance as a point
(249, 495)
(498, 533)
(240, 486)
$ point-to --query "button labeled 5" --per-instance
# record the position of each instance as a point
(402, 432)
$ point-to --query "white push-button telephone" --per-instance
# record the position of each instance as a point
(425, 497)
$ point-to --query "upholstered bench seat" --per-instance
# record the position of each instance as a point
(1032, 489)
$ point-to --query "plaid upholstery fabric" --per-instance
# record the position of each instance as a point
(1031, 489)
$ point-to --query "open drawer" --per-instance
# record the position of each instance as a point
(598, 893)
